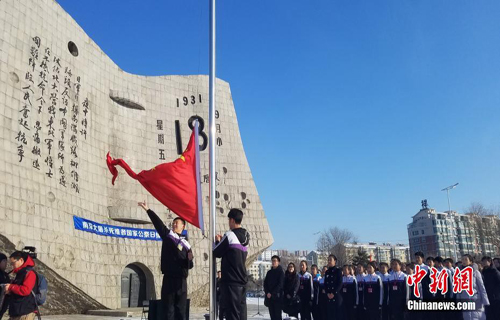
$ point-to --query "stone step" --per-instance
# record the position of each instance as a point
(126, 312)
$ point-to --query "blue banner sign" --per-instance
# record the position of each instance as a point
(113, 231)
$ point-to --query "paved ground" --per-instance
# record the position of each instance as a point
(252, 311)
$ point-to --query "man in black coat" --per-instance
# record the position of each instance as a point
(273, 287)
(491, 277)
(176, 260)
(333, 286)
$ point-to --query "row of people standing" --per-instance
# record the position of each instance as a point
(334, 294)
(301, 292)
(374, 293)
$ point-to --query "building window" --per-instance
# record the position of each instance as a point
(423, 232)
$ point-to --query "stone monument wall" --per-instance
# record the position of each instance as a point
(63, 105)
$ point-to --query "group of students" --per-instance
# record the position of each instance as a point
(377, 291)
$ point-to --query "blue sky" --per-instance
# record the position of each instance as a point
(351, 112)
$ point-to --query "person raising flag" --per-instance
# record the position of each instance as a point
(176, 260)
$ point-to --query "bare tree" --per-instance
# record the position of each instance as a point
(485, 226)
(495, 211)
(477, 208)
(333, 240)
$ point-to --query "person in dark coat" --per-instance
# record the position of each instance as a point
(491, 277)
(176, 260)
(384, 276)
(349, 293)
(496, 263)
(412, 315)
(333, 288)
(315, 309)
(397, 291)
(373, 293)
(232, 248)
(290, 290)
(305, 291)
(4, 279)
(273, 287)
(4, 276)
(360, 275)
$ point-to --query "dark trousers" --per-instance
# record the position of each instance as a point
(322, 304)
(2, 312)
(316, 312)
(275, 310)
(305, 309)
(413, 315)
(360, 313)
(4, 306)
(493, 310)
(220, 310)
(174, 298)
(334, 309)
(234, 301)
(350, 313)
(291, 309)
(396, 312)
(373, 314)
(385, 312)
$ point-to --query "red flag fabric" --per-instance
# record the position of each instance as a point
(174, 184)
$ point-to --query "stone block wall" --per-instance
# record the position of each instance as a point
(63, 105)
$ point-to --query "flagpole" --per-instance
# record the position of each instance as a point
(198, 180)
(211, 125)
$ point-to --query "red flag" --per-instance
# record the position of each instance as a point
(175, 184)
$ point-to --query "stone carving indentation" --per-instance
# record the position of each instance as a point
(126, 99)
(14, 77)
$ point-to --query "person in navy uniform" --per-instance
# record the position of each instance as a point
(396, 291)
(427, 295)
(373, 293)
(412, 315)
(384, 275)
(349, 294)
(315, 309)
(333, 288)
(439, 296)
(450, 296)
(176, 260)
(233, 249)
(306, 292)
(360, 275)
